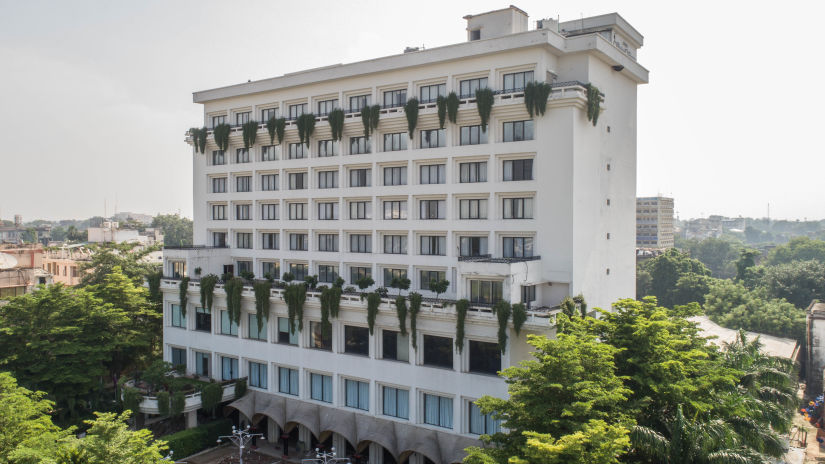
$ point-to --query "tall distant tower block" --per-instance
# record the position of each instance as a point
(654, 222)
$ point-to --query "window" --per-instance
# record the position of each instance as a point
(395, 244)
(433, 138)
(269, 113)
(242, 155)
(317, 338)
(358, 102)
(438, 351)
(242, 212)
(515, 82)
(360, 243)
(358, 145)
(203, 319)
(395, 98)
(473, 135)
(390, 274)
(326, 148)
(472, 209)
(299, 270)
(321, 387)
(179, 357)
(518, 208)
(360, 210)
(217, 120)
(269, 211)
(269, 153)
(178, 316)
(219, 185)
(298, 211)
(269, 182)
(482, 424)
(269, 241)
(203, 361)
(219, 212)
(433, 209)
(327, 211)
(473, 172)
(257, 375)
(219, 239)
(395, 142)
(485, 291)
(433, 245)
(396, 402)
(218, 157)
(178, 268)
(425, 277)
(296, 151)
(325, 106)
(359, 177)
(229, 368)
(286, 336)
(396, 175)
(357, 273)
(528, 294)
(438, 411)
(396, 209)
(297, 110)
(242, 118)
(433, 174)
(243, 266)
(288, 381)
(395, 346)
(517, 247)
(472, 246)
(297, 180)
(430, 93)
(271, 269)
(298, 242)
(468, 87)
(475, 34)
(244, 240)
(327, 242)
(356, 340)
(518, 169)
(485, 357)
(357, 394)
(327, 179)
(327, 273)
(515, 131)
(243, 184)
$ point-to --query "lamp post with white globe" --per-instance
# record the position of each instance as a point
(325, 458)
(240, 437)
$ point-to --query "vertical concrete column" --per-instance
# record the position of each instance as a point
(192, 419)
(273, 432)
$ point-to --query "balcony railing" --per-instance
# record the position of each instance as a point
(491, 259)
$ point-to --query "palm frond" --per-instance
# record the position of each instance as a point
(650, 443)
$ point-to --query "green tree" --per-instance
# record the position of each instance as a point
(718, 254)
(732, 305)
(109, 440)
(745, 266)
(106, 256)
(665, 271)
(799, 282)
(177, 230)
(798, 249)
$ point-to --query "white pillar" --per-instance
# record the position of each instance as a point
(192, 419)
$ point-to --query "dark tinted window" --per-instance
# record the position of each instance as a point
(438, 351)
(485, 357)
(356, 340)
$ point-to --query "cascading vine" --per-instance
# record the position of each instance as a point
(262, 293)
(250, 133)
(208, 290)
(535, 97)
(211, 394)
(441, 104)
(373, 302)
(330, 304)
(365, 120)
(415, 307)
(411, 111)
(183, 292)
(452, 107)
(502, 311)
(163, 403)
(336, 123)
(199, 138)
(153, 279)
(519, 317)
(295, 295)
(221, 135)
(484, 103)
(594, 99)
(276, 128)
(234, 288)
(375, 117)
(461, 307)
(177, 404)
(306, 127)
(401, 311)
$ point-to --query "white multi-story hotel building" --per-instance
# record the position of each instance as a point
(531, 210)
(654, 222)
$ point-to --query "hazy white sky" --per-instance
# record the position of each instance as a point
(95, 96)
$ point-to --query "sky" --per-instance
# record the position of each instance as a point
(95, 96)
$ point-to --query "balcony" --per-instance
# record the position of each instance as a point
(149, 403)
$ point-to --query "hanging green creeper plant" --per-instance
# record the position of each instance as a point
(221, 135)
(411, 111)
(208, 290)
(594, 98)
(543, 90)
(415, 307)
(330, 304)
(336, 123)
(153, 279)
(441, 104)
(177, 403)
(375, 118)
(519, 317)
(484, 103)
(262, 292)
(365, 120)
(373, 302)
(306, 126)
(529, 97)
(401, 311)
(183, 292)
(163, 403)
(295, 295)
(250, 133)
(199, 138)
(276, 127)
(461, 307)
(211, 395)
(452, 107)
(234, 288)
(502, 310)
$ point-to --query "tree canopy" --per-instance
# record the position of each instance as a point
(660, 277)
(177, 230)
(731, 304)
(798, 249)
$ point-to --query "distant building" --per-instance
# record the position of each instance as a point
(111, 232)
(20, 270)
(64, 263)
(815, 346)
(654, 222)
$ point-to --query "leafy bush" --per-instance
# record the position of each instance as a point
(211, 396)
(177, 404)
(163, 403)
(186, 442)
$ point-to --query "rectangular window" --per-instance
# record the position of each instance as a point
(485, 357)
(317, 338)
(296, 151)
(254, 333)
(482, 424)
(358, 145)
(433, 245)
(321, 387)
(298, 181)
(299, 270)
(396, 175)
(298, 242)
(395, 346)
(356, 340)
(243, 266)
(297, 110)
(179, 357)
(516, 131)
(298, 211)
(242, 212)
(472, 246)
(518, 170)
(438, 351)
(433, 174)
(473, 172)
(515, 82)
(433, 209)
(327, 273)
(396, 402)
(430, 93)
(517, 247)
(390, 274)
(242, 155)
(468, 87)
(285, 335)
(326, 148)
(438, 411)
(178, 316)
(269, 182)
(243, 184)
(203, 319)
(219, 212)
(218, 157)
(360, 177)
(528, 295)
(359, 101)
(219, 185)
(357, 273)
(257, 375)
(203, 363)
(395, 244)
(327, 211)
(396, 209)
(271, 269)
(269, 113)
(269, 211)
(357, 394)
(395, 142)
(395, 98)
(472, 209)
(242, 118)
(360, 243)
(269, 153)
(288, 381)
(244, 240)
(360, 210)
(218, 120)
(433, 138)
(425, 277)
(269, 241)
(485, 291)
(473, 135)
(219, 239)
(327, 179)
(229, 368)
(517, 208)
(327, 242)
(325, 106)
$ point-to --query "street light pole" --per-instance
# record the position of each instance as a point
(326, 458)
(240, 437)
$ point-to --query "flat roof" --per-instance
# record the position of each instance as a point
(773, 346)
